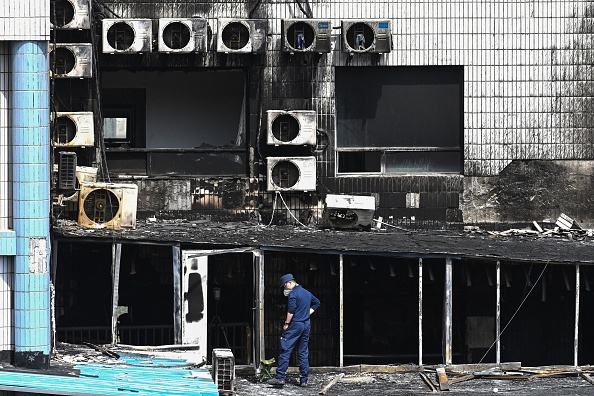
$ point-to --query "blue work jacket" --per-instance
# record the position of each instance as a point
(300, 301)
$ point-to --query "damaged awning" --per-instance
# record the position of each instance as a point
(395, 242)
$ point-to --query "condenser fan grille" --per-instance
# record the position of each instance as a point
(285, 174)
(61, 12)
(65, 130)
(120, 36)
(176, 35)
(62, 60)
(285, 128)
(236, 35)
(101, 206)
(300, 35)
(360, 36)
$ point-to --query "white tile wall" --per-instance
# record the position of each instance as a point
(24, 19)
(5, 192)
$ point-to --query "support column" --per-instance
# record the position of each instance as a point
(498, 316)
(31, 206)
(420, 312)
(447, 313)
(116, 255)
(260, 347)
(341, 313)
(577, 316)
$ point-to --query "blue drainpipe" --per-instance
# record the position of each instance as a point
(31, 205)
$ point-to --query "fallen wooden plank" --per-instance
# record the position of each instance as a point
(358, 380)
(442, 378)
(461, 378)
(537, 226)
(587, 377)
(428, 381)
(331, 383)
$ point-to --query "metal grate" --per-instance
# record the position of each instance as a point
(223, 369)
(67, 171)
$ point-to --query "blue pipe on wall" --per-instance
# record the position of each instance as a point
(31, 201)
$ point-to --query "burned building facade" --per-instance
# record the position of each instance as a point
(185, 134)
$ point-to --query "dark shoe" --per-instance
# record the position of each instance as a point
(276, 382)
(303, 384)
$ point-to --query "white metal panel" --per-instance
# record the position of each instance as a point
(194, 301)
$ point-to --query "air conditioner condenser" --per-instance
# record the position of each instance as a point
(107, 205)
(291, 173)
(296, 127)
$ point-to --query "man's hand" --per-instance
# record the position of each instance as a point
(285, 327)
(311, 311)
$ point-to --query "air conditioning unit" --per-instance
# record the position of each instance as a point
(84, 175)
(296, 127)
(223, 370)
(241, 35)
(71, 60)
(107, 205)
(372, 36)
(73, 129)
(306, 35)
(291, 173)
(183, 35)
(69, 14)
(348, 211)
(127, 36)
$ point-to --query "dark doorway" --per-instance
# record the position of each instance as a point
(320, 275)
(231, 305)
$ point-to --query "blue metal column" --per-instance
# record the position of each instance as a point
(31, 205)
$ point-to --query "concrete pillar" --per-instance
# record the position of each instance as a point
(31, 201)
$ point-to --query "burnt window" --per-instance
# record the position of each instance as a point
(399, 119)
(175, 122)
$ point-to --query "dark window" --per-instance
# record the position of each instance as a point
(159, 117)
(408, 117)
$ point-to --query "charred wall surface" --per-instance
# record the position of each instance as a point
(525, 95)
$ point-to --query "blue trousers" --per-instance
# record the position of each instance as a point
(297, 335)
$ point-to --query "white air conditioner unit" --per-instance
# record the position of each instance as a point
(306, 35)
(372, 36)
(107, 205)
(84, 175)
(73, 129)
(71, 60)
(241, 35)
(183, 35)
(291, 173)
(69, 14)
(296, 127)
(127, 36)
(348, 211)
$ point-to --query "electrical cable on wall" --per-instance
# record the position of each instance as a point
(277, 195)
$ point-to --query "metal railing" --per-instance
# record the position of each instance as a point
(131, 335)
(239, 336)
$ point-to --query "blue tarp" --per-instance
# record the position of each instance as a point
(128, 375)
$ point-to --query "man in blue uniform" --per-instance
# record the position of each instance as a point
(300, 306)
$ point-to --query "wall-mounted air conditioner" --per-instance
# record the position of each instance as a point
(241, 35)
(73, 129)
(107, 205)
(306, 35)
(373, 36)
(291, 173)
(71, 60)
(296, 127)
(348, 211)
(127, 36)
(69, 14)
(183, 35)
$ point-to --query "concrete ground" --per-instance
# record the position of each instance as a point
(376, 384)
